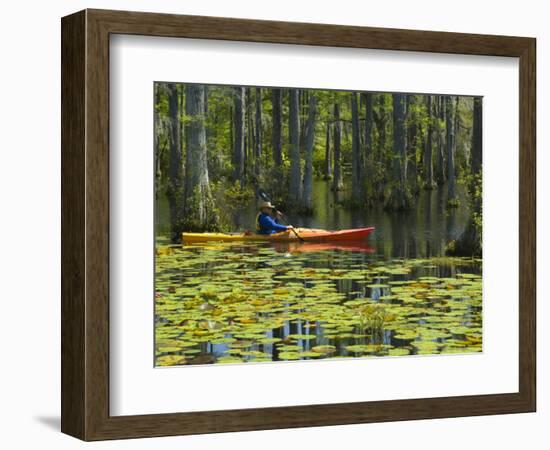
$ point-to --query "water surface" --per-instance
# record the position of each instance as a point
(393, 295)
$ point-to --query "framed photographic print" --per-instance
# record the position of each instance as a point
(267, 224)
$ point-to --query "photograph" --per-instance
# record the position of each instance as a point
(301, 224)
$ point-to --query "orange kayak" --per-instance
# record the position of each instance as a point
(307, 234)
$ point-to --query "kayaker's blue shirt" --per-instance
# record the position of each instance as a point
(266, 225)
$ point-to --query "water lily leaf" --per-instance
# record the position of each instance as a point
(191, 351)
(229, 360)
(406, 334)
(301, 336)
(363, 348)
(256, 354)
(460, 330)
(170, 360)
(426, 347)
(289, 348)
(269, 340)
(289, 355)
(323, 349)
(169, 349)
(225, 340)
(310, 354)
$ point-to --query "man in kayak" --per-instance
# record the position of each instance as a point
(266, 220)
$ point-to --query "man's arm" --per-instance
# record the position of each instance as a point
(268, 222)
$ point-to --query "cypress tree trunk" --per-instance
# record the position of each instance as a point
(158, 148)
(199, 214)
(414, 136)
(428, 152)
(232, 132)
(182, 115)
(277, 128)
(400, 136)
(476, 136)
(451, 147)
(369, 119)
(303, 100)
(238, 144)
(400, 197)
(440, 141)
(337, 182)
(328, 154)
(295, 182)
(456, 133)
(383, 163)
(258, 135)
(368, 157)
(250, 145)
(356, 182)
(175, 166)
(381, 127)
(310, 140)
(412, 142)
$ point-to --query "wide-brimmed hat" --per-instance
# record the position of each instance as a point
(266, 205)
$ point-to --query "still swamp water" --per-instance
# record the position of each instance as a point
(395, 295)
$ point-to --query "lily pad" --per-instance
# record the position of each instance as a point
(245, 302)
(323, 349)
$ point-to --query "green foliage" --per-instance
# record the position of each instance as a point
(228, 200)
(238, 196)
(398, 197)
(476, 203)
(453, 203)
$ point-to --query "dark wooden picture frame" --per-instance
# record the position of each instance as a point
(85, 224)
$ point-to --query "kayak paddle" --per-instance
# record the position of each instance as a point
(266, 198)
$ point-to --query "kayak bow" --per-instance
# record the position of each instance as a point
(307, 234)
